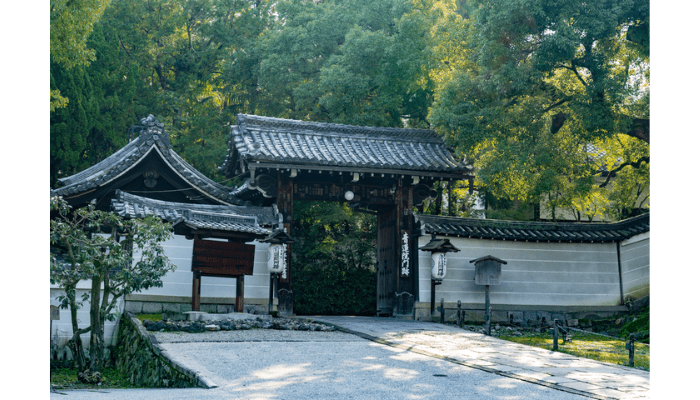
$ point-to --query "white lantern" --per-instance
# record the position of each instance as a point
(439, 266)
(276, 258)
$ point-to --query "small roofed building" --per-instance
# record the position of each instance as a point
(551, 270)
(215, 232)
(385, 171)
(210, 242)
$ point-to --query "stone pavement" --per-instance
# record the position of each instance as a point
(300, 365)
(552, 369)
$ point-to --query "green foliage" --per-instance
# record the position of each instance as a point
(339, 291)
(362, 62)
(520, 88)
(595, 347)
(71, 24)
(640, 326)
(112, 378)
(537, 81)
(149, 317)
(115, 268)
(333, 260)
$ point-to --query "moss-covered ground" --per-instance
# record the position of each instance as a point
(588, 345)
(63, 377)
(67, 378)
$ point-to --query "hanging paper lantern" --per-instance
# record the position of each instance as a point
(276, 260)
(439, 249)
(439, 266)
(277, 252)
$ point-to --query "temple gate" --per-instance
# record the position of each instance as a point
(383, 171)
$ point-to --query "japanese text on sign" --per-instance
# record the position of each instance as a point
(405, 256)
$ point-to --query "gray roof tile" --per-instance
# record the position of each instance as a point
(284, 141)
(232, 218)
(531, 230)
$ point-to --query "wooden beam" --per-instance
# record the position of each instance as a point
(319, 168)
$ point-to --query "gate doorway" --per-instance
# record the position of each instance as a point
(334, 260)
(383, 171)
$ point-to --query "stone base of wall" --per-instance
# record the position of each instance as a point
(151, 304)
(145, 363)
(517, 314)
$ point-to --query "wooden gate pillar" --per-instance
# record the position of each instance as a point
(405, 250)
(285, 206)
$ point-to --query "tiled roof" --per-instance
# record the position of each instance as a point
(534, 231)
(246, 219)
(152, 138)
(291, 142)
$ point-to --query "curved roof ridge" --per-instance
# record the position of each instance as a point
(133, 206)
(250, 120)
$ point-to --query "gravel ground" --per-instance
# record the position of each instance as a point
(255, 335)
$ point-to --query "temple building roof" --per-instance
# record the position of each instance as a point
(146, 164)
(534, 231)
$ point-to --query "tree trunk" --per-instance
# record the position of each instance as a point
(97, 331)
(75, 344)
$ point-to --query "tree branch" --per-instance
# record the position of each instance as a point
(635, 164)
(123, 47)
(557, 104)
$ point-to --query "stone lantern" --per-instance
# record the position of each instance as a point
(277, 259)
(438, 249)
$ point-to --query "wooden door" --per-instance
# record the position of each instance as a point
(387, 275)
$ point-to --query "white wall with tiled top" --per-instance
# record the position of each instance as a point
(634, 256)
(536, 274)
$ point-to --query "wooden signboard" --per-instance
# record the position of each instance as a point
(222, 258)
(487, 272)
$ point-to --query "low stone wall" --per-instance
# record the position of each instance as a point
(156, 304)
(146, 363)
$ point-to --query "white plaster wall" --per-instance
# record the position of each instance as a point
(179, 282)
(542, 274)
(634, 256)
(62, 329)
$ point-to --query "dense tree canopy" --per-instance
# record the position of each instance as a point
(71, 25)
(546, 98)
(540, 82)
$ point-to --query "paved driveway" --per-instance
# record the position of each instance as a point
(543, 367)
(334, 366)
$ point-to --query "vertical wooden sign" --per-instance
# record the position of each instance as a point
(405, 266)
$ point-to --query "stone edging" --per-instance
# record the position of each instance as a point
(158, 355)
